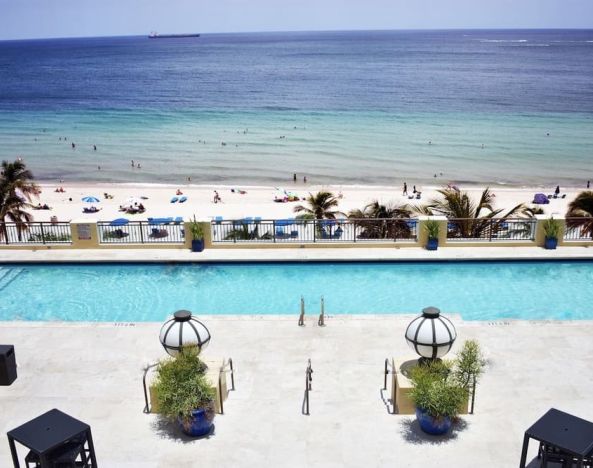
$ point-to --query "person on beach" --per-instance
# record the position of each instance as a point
(305, 179)
(133, 163)
(414, 190)
(217, 197)
(557, 191)
(73, 145)
(294, 177)
(138, 165)
(588, 184)
(179, 192)
(94, 147)
(405, 190)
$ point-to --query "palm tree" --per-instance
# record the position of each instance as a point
(16, 191)
(383, 221)
(320, 206)
(470, 219)
(241, 231)
(580, 214)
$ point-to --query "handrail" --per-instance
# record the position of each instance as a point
(302, 314)
(231, 369)
(308, 386)
(147, 408)
(321, 321)
(388, 369)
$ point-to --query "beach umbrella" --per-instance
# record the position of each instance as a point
(119, 222)
(90, 199)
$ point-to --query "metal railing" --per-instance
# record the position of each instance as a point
(388, 369)
(35, 233)
(314, 230)
(491, 230)
(141, 232)
(308, 387)
(579, 229)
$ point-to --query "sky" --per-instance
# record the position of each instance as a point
(24, 19)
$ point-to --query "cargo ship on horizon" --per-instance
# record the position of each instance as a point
(156, 35)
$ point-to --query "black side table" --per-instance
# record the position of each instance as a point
(568, 433)
(49, 431)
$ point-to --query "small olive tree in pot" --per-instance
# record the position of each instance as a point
(183, 393)
(442, 388)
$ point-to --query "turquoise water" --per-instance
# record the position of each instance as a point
(354, 107)
(151, 292)
(362, 147)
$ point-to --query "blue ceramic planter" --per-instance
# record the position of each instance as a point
(197, 245)
(431, 425)
(432, 244)
(198, 426)
(551, 243)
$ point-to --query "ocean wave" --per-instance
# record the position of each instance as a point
(279, 108)
(502, 40)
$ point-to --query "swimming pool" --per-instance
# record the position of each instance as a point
(151, 292)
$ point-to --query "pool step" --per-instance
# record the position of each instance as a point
(8, 275)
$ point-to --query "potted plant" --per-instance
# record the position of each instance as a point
(432, 229)
(197, 235)
(552, 231)
(183, 393)
(441, 388)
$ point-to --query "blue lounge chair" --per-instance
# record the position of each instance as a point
(338, 233)
(257, 219)
(218, 219)
(280, 232)
(174, 200)
(294, 234)
(179, 220)
(183, 199)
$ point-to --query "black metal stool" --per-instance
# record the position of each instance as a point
(62, 457)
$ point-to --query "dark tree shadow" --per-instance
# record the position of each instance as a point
(170, 430)
(412, 433)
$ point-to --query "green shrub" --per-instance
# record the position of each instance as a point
(442, 387)
(552, 228)
(196, 230)
(181, 386)
(432, 229)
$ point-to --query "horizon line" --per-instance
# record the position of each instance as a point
(301, 31)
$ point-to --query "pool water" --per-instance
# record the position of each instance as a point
(151, 292)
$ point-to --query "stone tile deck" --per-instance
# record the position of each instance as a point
(295, 254)
(93, 371)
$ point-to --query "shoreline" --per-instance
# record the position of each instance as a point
(256, 201)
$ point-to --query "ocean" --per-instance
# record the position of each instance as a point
(368, 107)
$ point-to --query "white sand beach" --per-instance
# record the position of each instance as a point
(257, 201)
